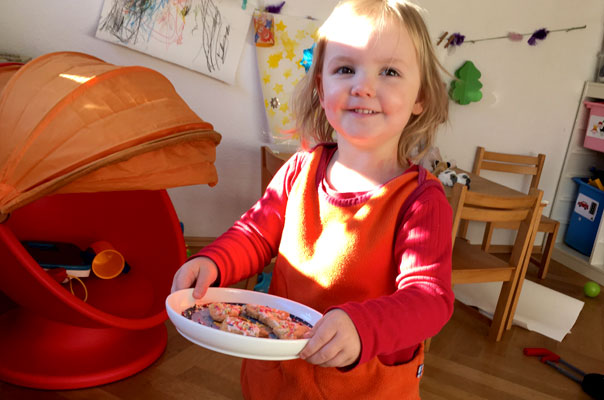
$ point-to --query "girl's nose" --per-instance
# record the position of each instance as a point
(363, 87)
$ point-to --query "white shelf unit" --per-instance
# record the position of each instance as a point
(577, 162)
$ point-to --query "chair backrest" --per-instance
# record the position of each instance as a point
(271, 162)
(512, 163)
(473, 206)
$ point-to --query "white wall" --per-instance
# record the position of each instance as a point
(530, 94)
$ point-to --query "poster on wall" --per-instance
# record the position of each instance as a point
(203, 35)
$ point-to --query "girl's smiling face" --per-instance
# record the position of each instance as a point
(369, 84)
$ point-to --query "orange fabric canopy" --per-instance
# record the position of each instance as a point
(7, 70)
(70, 122)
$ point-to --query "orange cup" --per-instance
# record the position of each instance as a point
(108, 262)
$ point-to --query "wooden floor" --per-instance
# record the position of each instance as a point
(461, 363)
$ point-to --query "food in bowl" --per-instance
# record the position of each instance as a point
(248, 320)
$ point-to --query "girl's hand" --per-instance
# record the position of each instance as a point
(201, 270)
(334, 341)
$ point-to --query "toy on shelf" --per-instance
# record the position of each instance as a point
(596, 178)
(594, 132)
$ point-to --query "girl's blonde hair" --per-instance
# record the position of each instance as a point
(420, 132)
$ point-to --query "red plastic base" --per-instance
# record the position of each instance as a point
(39, 353)
(51, 339)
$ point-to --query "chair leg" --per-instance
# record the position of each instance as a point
(514, 303)
(518, 289)
(462, 232)
(500, 317)
(486, 239)
(547, 252)
(250, 282)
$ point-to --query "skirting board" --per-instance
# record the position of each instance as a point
(197, 242)
(577, 262)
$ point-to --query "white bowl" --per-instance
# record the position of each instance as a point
(230, 343)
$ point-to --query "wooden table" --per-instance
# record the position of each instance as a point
(482, 185)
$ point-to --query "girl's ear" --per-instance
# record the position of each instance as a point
(418, 107)
(319, 85)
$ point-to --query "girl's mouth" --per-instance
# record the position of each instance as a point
(363, 111)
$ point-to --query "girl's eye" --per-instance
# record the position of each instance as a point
(344, 70)
(391, 72)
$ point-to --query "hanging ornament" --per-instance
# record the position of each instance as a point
(539, 34)
(515, 36)
(275, 8)
(441, 38)
(466, 88)
(457, 39)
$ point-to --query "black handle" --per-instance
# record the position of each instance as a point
(593, 385)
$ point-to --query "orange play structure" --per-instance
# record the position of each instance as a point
(87, 150)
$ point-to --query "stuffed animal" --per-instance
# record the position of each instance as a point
(464, 179)
(447, 176)
(439, 166)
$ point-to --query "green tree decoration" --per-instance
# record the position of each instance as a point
(466, 88)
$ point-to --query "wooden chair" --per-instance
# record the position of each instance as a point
(518, 164)
(270, 164)
(471, 264)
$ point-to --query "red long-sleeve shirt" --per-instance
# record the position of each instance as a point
(392, 325)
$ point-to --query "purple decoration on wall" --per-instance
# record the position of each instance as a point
(458, 39)
(539, 34)
(275, 8)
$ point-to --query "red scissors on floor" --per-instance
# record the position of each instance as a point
(592, 384)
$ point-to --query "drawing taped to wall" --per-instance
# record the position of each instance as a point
(203, 35)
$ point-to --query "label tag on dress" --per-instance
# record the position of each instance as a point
(420, 371)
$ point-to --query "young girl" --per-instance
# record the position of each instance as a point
(361, 233)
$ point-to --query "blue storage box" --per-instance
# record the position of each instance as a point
(585, 218)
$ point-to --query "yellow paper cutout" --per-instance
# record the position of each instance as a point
(273, 60)
(289, 45)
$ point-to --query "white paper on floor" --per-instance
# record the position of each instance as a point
(540, 309)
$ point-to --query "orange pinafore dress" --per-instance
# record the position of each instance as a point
(330, 254)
